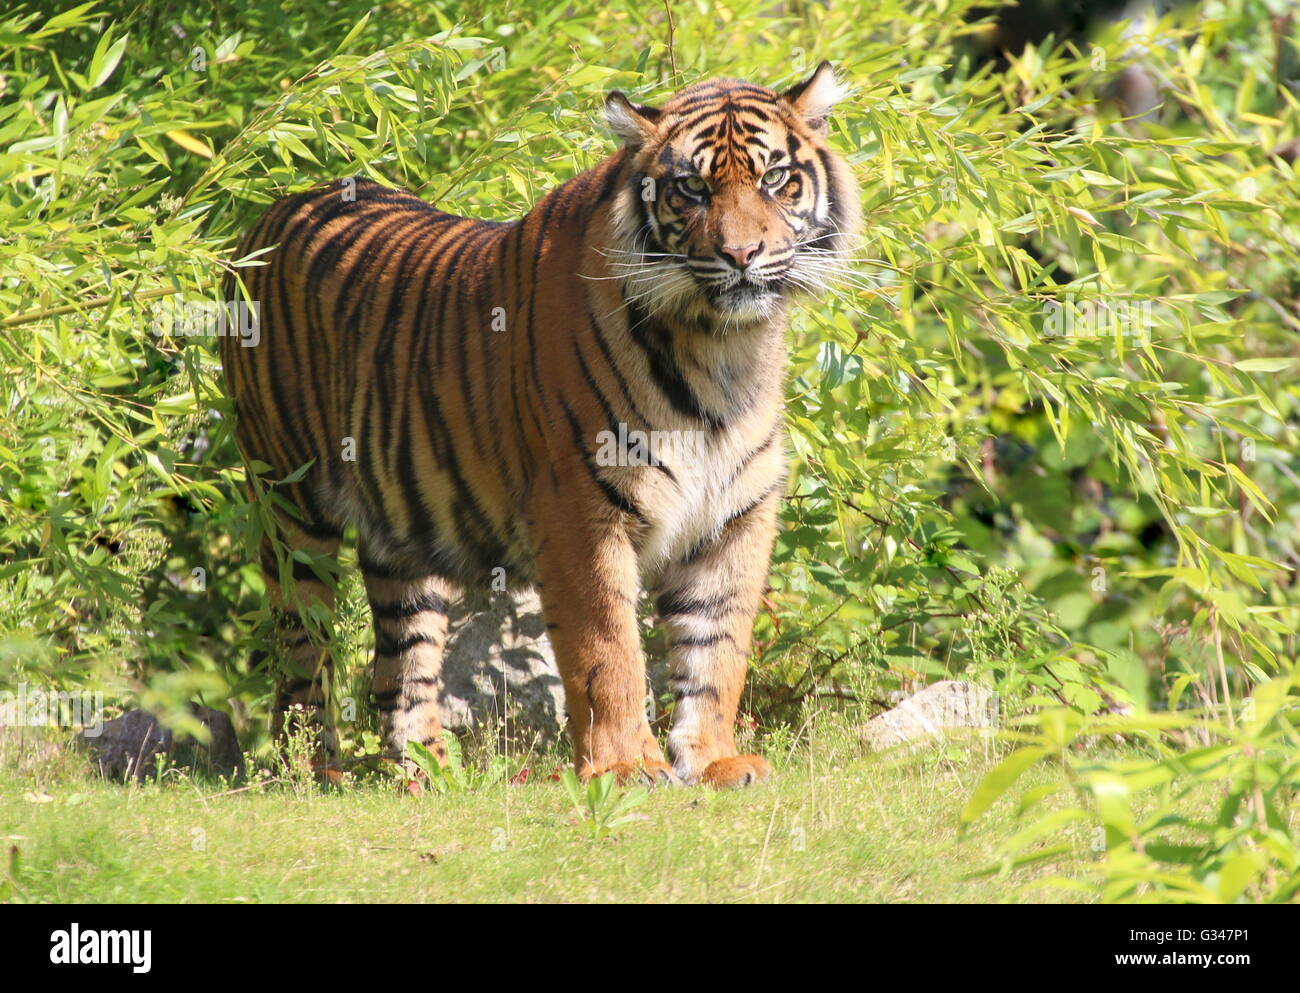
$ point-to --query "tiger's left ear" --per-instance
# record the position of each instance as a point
(632, 122)
(815, 96)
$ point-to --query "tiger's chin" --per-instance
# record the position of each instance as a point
(745, 305)
(678, 298)
(730, 311)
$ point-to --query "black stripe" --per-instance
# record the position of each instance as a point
(707, 692)
(473, 527)
(368, 469)
(391, 647)
(613, 368)
(751, 507)
(655, 341)
(412, 703)
(391, 323)
(678, 604)
(319, 531)
(714, 540)
(613, 419)
(547, 206)
(372, 569)
(490, 259)
(611, 494)
(427, 601)
(423, 522)
(471, 386)
(294, 445)
(613, 169)
(521, 448)
(304, 573)
(700, 641)
(752, 455)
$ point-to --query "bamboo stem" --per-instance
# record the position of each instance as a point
(27, 317)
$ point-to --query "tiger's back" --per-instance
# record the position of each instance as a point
(377, 312)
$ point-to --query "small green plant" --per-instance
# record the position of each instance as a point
(456, 776)
(601, 807)
(778, 743)
(298, 752)
(10, 891)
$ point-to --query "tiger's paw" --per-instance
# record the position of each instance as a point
(648, 772)
(329, 772)
(736, 770)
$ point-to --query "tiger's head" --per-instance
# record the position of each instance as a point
(735, 200)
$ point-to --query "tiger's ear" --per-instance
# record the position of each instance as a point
(815, 96)
(631, 122)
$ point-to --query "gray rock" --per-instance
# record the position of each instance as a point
(499, 667)
(934, 712)
(501, 663)
(129, 746)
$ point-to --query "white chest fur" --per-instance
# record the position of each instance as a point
(710, 477)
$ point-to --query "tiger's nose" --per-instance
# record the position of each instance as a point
(741, 255)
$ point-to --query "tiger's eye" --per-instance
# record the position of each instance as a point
(775, 178)
(693, 185)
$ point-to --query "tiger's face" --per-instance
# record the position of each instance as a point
(736, 201)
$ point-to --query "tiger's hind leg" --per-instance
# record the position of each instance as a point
(306, 668)
(410, 616)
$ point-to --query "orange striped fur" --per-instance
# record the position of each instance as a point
(501, 389)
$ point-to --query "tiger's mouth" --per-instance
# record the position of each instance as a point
(669, 284)
(745, 292)
(745, 297)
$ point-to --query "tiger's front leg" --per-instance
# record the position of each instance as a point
(707, 604)
(588, 585)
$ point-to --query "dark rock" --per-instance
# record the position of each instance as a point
(221, 755)
(129, 746)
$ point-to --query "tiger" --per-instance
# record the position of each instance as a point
(460, 392)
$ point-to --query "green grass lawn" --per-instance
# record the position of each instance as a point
(861, 829)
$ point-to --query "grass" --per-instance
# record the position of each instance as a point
(837, 829)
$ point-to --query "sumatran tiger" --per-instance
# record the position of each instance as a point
(452, 387)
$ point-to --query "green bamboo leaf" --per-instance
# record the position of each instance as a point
(1263, 364)
(108, 53)
(998, 780)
